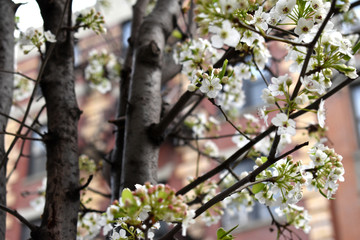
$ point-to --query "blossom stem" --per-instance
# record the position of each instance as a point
(311, 47)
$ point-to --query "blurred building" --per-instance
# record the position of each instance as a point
(335, 219)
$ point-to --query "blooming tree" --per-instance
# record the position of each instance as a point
(222, 44)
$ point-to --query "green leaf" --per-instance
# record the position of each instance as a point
(346, 58)
(177, 34)
(220, 233)
(223, 70)
(356, 48)
(264, 159)
(258, 187)
(225, 235)
(126, 195)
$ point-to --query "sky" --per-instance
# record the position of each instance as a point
(29, 13)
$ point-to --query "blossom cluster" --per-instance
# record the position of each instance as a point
(242, 198)
(138, 212)
(35, 39)
(87, 164)
(296, 216)
(102, 69)
(325, 170)
(88, 226)
(316, 51)
(203, 193)
(285, 183)
(286, 180)
(91, 20)
(197, 58)
(23, 88)
(197, 54)
(201, 123)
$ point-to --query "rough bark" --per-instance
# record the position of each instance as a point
(140, 152)
(57, 83)
(7, 12)
(117, 156)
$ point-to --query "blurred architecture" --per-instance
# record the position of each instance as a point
(336, 219)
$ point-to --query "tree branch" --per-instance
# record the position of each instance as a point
(310, 50)
(117, 155)
(19, 217)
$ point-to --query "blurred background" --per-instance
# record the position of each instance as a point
(335, 219)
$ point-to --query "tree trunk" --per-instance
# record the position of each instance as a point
(7, 12)
(57, 84)
(140, 152)
(139, 10)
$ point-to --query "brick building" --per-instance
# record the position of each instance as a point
(336, 219)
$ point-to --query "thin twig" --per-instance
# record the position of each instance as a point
(258, 138)
(245, 182)
(99, 193)
(205, 138)
(20, 122)
(182, 119)
(18, 73)
(227, 119)
(264, 79)
(35, 121)
(87, 183)
(311, 47)
(269, 37)
(21, 136)
(281, 227)
(37, 82)
(85, 209)
(15, 213)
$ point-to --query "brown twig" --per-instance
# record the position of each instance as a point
(227, 119)
(23, 220)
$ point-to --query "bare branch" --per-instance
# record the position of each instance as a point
(18, 73)
(19, 217)
(227, 119)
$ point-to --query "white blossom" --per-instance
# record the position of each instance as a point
(321, 114)
(284, 124)
(49, 36)
(284, 7)
(259, 19)
(224, 35)
(211, 87)
(189, 219)
(211, 149)
(303, 26)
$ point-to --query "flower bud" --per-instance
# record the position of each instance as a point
(249, 17)
(216, 71)
(258, 162)
(191, 87)
(302, 180)
(243, 174)
(225, 79)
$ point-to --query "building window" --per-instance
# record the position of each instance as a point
(37, 161)
(253, 90)
(126, 34)
(355, 97)
(355, 93)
